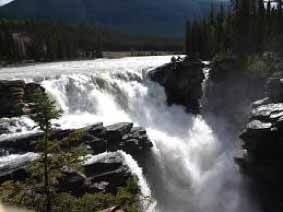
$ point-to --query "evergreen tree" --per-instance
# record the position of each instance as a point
(45, 112)
(54, 157)
(252, 26)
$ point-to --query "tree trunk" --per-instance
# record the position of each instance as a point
(46, 177)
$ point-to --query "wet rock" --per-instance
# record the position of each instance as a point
(260, 102)
(97, 129)
(113, 209)
(98, 138)
(230, 90)
(266, 111)
(15, 97)
(15, 167)
(11, 98)
(136, 141)
(263, 147)
(115, 132)
(15, 125)
(274, 87)
(182, 81)
(258, 125)
(101, 173)
(107, 172)
(73, 181)
(26, 142)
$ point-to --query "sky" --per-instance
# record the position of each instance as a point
(2, 2)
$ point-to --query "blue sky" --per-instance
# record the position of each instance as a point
(2, 2)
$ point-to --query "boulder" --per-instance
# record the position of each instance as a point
(101, 173)
(11, 98)
(274, 87)
(98, 138)
(115, 132)
(263, 147)
(107, 172)
(136, 141)
(14, 167)
(26, 142)
(15, 125)
(262, 135)
(182, 80)
(15, 97)
(113, 209)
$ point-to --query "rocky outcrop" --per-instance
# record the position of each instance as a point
(14, 167)
(230, 90)
(113, 209)
(274, 87)
(100, 173)
(16, 97)
(106, 171)
(182, 80)
(98, 138)
(262, 154)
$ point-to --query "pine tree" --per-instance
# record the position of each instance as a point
(54, 157)
(45, 112)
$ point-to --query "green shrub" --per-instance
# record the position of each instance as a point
(127, 197)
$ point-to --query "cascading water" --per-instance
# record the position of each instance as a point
(190, 168)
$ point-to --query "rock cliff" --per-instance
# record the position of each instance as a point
(182, 80)
(262, 154)
(106, 171)
(120, 136)
(15, 97)
(230, 90)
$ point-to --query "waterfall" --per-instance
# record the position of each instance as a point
(191, 169)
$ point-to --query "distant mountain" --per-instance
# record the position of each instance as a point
(150, 17)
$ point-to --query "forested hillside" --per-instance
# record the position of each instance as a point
(159, 17)
(30, 40)
(251, 27)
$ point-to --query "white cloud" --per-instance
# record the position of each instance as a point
(3, 2)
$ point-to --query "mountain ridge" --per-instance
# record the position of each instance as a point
(160, 17)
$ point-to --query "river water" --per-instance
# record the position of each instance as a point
(191, 169)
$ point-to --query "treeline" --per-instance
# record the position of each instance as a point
(31, 40)
(245, 27)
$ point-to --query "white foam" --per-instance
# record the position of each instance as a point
(193, 165)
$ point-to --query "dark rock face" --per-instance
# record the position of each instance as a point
(113, 209)
(24, 143)
(102, 173)
(120, 136)
(15, 167)
(182, 80)
(11, 98)
(274, 87)
(15, 97)
(107, 173)
(262, 156)
(230, 90)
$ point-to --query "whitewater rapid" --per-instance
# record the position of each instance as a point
(190, 168)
